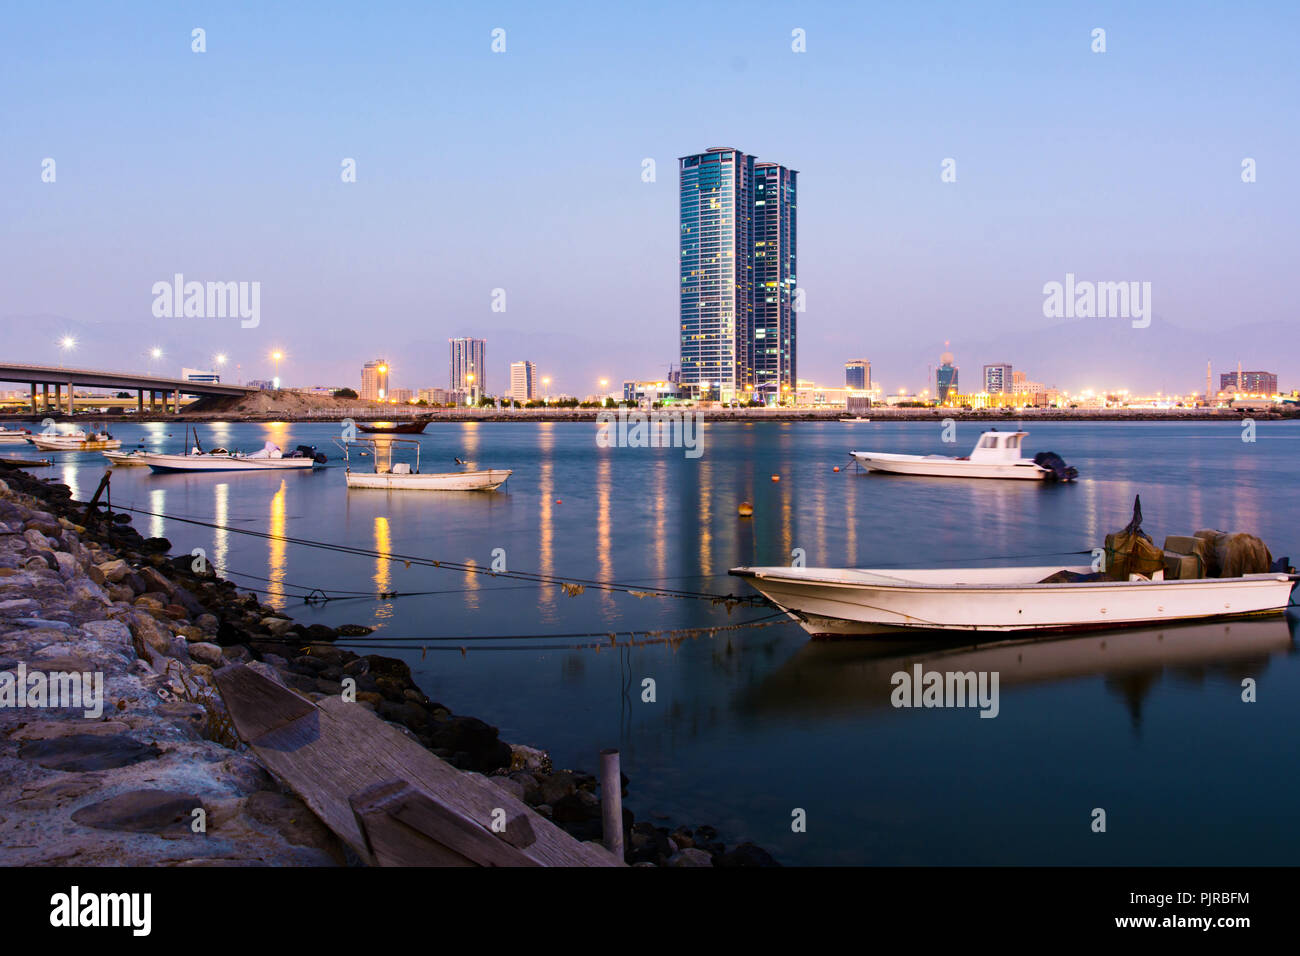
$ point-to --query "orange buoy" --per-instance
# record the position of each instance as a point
(559, 501)
(746, 510)
(776, 477)
(836, 468)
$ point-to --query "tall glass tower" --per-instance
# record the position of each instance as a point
(774, 357)
(717, 272)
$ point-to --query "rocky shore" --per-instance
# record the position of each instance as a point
(159, 777)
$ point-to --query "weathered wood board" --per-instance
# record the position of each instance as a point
(348, 765)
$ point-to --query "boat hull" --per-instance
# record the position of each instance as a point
(937, 466)
(830, 602)
(54, 444)
(173, 463)
(125, 458)
(14, 438)
(446, 481)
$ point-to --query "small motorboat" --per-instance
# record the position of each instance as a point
(401, 476)
(267, 458)
(75, 441)
(392, 428)
(27, 462)
(847, 601)
(854, 421)
(996, 455)
(14, 436)
(125, 458)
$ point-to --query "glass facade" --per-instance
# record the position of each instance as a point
(717, 271)
(468, 367)
(945, 381)
(857, 374)
(773, 346)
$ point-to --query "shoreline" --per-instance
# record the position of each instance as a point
(733, 415)
(83, 592)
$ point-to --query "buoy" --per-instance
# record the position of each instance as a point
(559, 501)
(836, 468)
(746, 510)
(776, 477)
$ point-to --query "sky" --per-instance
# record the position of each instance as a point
(522, 171)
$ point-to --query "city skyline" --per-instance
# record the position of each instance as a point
(1101, 167)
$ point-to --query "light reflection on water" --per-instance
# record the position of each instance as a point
(750, 724)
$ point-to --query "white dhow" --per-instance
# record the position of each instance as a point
(400, 476)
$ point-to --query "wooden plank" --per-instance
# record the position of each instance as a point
(404, 827)
(339, 749)
(257, 704)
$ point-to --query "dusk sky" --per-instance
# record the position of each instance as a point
(522, 171)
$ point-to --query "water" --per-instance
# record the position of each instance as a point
(749, 725)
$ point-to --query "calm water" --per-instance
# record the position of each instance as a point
(751, 724)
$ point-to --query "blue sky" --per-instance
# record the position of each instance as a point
(522, 171)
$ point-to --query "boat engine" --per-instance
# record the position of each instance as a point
(1056, 466)
(309, 451)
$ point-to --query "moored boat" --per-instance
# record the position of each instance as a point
(126, 458)
(268, 458)
(14, 436)
(75, 441)
(846, 601)
(394, 428)
(401, 476)
(996, 455)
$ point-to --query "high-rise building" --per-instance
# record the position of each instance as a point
(997, 378)
(717, 271)
(945, 378)
(523, 381)
(857, 374)
(773, 346)
(374, 381)
(469, 367)
(1252, 383)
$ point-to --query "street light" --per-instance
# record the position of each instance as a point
(276, 356)
(546, 387)
(66, 344)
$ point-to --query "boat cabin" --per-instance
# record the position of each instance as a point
(381, 451)
(1000, 447)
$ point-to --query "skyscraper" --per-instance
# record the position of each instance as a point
(773, 347)
(374, 381)
(997, 378)
(945, 377)
(857, 374)
(717, 271)
(469, 367)
(523, 381)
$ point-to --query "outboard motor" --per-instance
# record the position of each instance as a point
(1056, 466)
(309, 451)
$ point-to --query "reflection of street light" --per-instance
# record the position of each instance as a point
(469, 380)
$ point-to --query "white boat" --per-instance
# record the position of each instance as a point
(75, 441)
(267, 458)
(854, 421)
(996, 455)
(846, 601)
(125, 458)
(400, 476)
(14, 436)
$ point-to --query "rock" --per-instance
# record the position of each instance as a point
(149, 811)
(510, 785)
(353, 630)
(153, 600)
(557, 786)
(207, 622)
(88, 752)
(690, 857)
(152, 634)
(278, 626)
(747, 854)
(155, 582)
(529, 758)
(682, 837)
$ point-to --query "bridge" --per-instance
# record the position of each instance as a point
(69, 379)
